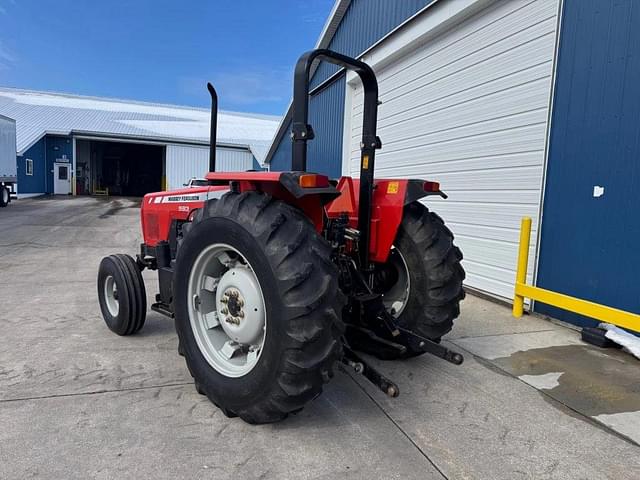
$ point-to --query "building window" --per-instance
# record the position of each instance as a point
(29, 167)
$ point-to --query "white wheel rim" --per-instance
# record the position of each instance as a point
(396, 298)
(5, 195)
(226, 310)
(111, 296)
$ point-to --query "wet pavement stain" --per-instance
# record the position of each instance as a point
(588, 380)
(117, 205)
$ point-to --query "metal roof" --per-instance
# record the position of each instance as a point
(40, 113)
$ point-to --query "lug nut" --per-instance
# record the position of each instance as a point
(241, 314)
(224, 300)
(224, 311)
(226, 294)
(241, 303)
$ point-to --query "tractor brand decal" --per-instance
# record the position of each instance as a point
(198, 197)
(184, 198)
(392, 188)
(188, 198)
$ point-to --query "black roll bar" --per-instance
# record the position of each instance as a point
(301, 131)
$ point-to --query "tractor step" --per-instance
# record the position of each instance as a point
(162, 308)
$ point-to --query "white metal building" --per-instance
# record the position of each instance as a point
(466, 89)
(126, 146)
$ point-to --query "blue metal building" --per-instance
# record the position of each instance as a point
(518, 107)
(125, 146)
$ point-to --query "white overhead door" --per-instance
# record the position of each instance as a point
(465, 90)
(185, 162)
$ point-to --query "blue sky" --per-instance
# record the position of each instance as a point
(160, 50)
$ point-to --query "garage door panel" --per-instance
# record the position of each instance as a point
(470, 60)
(524, 108)
(495, 65)
(473, 230)
(428, 167)
(505, 216)
(516, 179)
(184, 162)
(469, 109)
(489, 194)
(521, 139)
(513, 21)
(497, 75)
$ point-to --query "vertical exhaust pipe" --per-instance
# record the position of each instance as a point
(214, 127)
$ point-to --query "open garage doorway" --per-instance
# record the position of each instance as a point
(118, 168)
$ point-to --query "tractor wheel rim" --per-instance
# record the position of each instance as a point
(5, 195)
(111, 296)
(396, 298)
(226, 309)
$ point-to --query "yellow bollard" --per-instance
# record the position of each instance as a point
(523, 260)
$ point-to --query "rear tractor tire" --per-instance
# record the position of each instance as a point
(121, 293)
(257, 306)
(425, 264)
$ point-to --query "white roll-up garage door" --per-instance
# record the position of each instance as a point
(465, 90)
(185, 162)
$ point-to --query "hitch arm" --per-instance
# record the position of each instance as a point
(360, 366)
(429, 346)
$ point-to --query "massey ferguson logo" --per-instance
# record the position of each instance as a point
(184, 198)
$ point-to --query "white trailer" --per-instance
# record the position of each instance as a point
(7, 159)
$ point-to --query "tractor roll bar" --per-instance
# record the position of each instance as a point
(213, 127)
(301, 131)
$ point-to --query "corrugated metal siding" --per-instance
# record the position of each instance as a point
(281, 159)
(589, 246)
(33, 183)
(183, 162)
(326, 115)
(469, 109)
(364, 23)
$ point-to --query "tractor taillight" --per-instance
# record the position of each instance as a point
(431, 186)
(313, 181)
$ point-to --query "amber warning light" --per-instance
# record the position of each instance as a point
(313, 181)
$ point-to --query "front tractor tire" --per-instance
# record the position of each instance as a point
(257, 306)
(121, 293)
(424, 265)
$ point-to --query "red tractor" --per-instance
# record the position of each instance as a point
(273, 277)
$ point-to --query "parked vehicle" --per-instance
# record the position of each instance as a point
(272, 277)
(196, 182)
(8, 174)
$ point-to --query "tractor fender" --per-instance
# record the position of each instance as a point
(389, 199)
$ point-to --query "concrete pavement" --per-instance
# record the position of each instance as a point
(77, 401)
